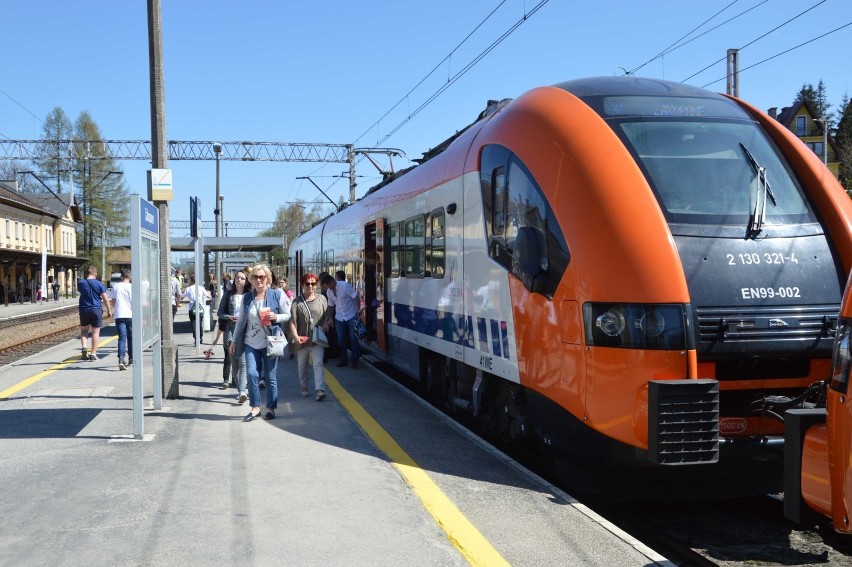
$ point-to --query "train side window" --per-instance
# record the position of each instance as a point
(533, 239)
(414, 256)
(393, 245)
(498, 214)
(437, 245)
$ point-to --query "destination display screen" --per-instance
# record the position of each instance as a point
(670, 107)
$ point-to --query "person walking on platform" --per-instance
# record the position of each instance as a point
(122, 307)
(309, 310)
(55, 290)
(197, 296)
(263, 309)
(234, 366)
(174, 286)
(344, 299)
(93, 299)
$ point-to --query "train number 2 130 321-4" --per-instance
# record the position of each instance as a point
(765, 258)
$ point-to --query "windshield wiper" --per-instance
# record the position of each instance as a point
(758, 214)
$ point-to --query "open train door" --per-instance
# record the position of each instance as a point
(374, 283)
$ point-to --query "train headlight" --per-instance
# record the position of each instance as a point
(636, 325)
(841, 362)
(652, 323)
(610, 323)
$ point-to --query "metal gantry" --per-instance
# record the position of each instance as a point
(177, 150)
(39, 150)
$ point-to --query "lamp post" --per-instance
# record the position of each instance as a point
(103, 226)
(217, 150)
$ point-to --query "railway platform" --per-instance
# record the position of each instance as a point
(370, 476)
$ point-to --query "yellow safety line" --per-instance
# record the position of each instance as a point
(9, 392)
(463, 535)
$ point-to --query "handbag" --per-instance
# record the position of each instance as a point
(318, 336)
(360, 329)
(275, 345)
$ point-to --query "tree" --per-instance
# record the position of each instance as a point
(11, 170)
(53, 165)
(843, 140)
(291, 221)
(817, 99)
(103, 194)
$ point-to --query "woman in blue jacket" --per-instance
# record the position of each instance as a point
(264, 308)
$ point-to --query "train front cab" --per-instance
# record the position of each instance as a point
(752, 347)
(818, 460)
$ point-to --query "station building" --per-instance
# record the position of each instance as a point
(37, 225)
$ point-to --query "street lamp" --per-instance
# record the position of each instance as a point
(217, 204)
(824, 123)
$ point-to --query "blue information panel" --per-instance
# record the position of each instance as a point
(145, 257)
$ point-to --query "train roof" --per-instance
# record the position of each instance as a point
(632, 86)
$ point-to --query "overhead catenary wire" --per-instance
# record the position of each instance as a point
(464, 70)
(430, 73)
(22, 106)
(451, 79)
(672, 47)
(776, 28)
(782, 53)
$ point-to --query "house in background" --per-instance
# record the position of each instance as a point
(36, 225)
(803, 121)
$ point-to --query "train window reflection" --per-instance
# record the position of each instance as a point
(701, 174)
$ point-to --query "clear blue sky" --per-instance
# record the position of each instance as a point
(326, 71)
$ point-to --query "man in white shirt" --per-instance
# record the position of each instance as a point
(121, 300)
(343, 297)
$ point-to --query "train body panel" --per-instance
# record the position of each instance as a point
(582, 257)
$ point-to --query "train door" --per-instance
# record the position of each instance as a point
(374, 283)
(299, 272)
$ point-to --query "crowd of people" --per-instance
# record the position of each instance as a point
(255, 307)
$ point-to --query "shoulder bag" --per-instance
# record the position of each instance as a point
(318, 336)
(275, 342)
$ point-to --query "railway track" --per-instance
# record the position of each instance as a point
(29, 334)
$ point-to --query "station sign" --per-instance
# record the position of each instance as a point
(160, 185)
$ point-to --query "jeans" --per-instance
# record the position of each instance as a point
(314, 352)
(346, 336)
(237, 367)
(125, 337)
(257, 364)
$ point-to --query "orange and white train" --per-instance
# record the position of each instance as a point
(632, 277)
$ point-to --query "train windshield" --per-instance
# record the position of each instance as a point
(708, 162)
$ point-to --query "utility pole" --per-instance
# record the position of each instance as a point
(159, 161)
(733, 74)
(217, 217)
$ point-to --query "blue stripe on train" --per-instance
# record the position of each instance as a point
(453, 328)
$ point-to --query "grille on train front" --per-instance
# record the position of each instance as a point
(726, 325)
(683, 422)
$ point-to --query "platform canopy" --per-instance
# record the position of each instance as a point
(220, 243)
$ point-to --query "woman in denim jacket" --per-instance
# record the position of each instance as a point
(263, 308)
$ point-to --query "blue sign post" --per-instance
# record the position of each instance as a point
(145, 272)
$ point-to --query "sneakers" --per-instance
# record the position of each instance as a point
(242, 397)
(84, 353)
(224, 385)
(320, 395)
(93, 357)
(122, 365)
